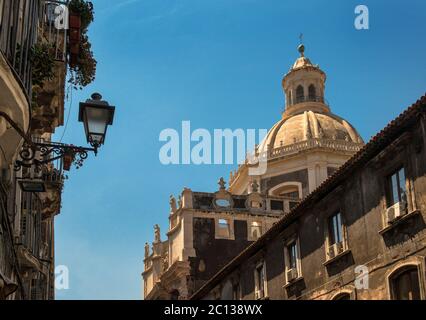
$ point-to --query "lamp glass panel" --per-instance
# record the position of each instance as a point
(97, 120)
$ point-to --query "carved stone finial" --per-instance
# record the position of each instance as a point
(157, 235)
(222, 184)
(146, 250)
(172, 203)
(180, 201)
(254, 186)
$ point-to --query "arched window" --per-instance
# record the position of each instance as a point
(290, 190)
(343, 296)
(405, 284)
(312, 92)
(300, 94)
(255, 230)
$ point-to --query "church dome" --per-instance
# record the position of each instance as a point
(307, 116)
(306, 145)
(309, 125)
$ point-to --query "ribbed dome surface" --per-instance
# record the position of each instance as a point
(309, 125)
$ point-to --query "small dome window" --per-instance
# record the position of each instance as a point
(312, 92)
(300, 94)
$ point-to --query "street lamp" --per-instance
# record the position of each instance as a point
(28, 185)
(96, 115)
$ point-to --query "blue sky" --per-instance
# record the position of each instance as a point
(219, 64)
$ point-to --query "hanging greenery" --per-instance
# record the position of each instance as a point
(42, 63)
(85, 10)
(83, 71)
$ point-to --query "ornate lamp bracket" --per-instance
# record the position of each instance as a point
(32, 152)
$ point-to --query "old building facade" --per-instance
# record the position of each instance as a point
(206, 230)
(34, 52)
(201, 225)
(360, 235)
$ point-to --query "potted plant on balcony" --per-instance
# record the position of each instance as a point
(42, 59)
(82, 13)
(42, 62)
(82, 62)
(74, 21)
(74, 32)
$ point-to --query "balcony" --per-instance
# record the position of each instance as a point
(303, 99)
(18, 30)
(53, 27)
(18, 33)
(49, 93)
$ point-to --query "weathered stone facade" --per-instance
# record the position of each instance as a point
(360, 235)
(27, 260)
(302, 150)
(200, 228)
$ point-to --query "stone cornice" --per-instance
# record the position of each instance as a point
(310, 144)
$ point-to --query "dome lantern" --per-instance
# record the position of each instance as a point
(304, 86)
(308, 143)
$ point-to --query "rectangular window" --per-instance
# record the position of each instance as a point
(255, 230)
(223, 228)
(335, 229)
(277, 205)
(260, 281)
(335, 237)
(396, 187)
(292, 255)
(292, 261)
(223, 223)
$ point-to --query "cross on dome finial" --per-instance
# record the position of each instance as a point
(301, 47)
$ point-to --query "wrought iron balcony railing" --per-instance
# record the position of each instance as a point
(22, 24)
(18, 33)
(53, 26)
